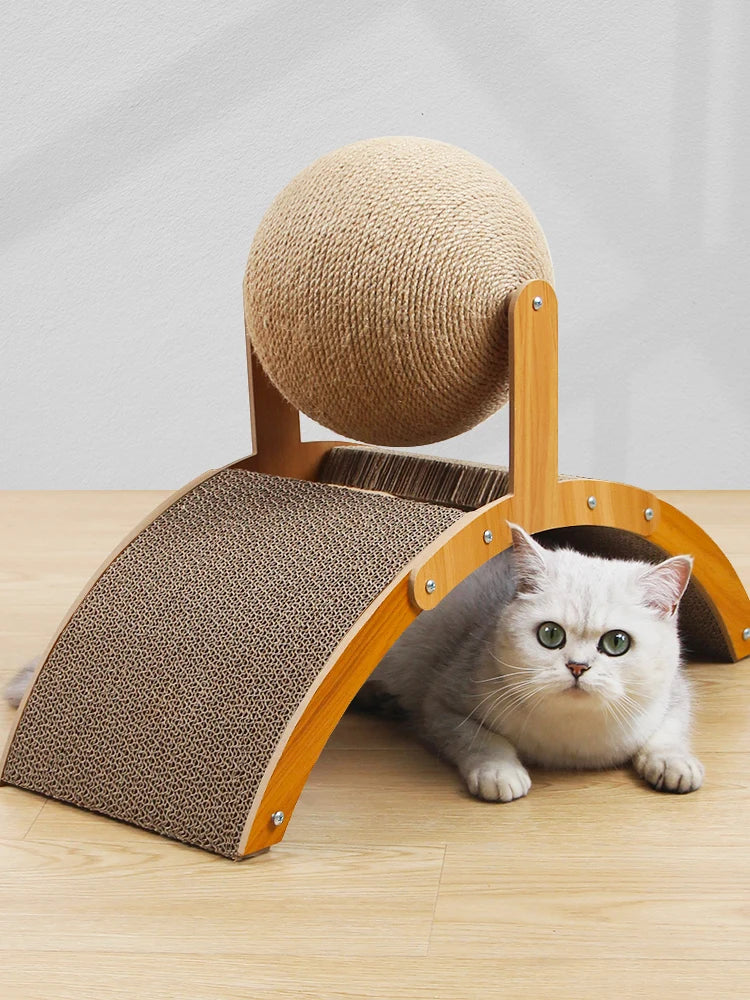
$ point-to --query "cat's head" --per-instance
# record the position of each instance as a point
(585, 626)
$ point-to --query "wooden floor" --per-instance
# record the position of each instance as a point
(391, 882)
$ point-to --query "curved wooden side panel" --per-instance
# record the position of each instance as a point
(676, 533)
(541, 501)
(588, 502)
(346, 671)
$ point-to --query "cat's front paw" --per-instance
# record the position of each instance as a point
(669, 771)
(497, 781)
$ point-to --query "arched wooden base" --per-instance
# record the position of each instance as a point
(591, 502)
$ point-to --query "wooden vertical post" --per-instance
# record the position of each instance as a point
(278, 449)
(275, 422)
(532, 330)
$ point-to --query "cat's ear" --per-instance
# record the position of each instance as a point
(530, 561)
(665, 584)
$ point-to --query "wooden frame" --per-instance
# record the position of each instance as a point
(538, 500)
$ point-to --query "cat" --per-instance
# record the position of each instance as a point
(549, 658)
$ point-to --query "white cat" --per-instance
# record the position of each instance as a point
(550, 658)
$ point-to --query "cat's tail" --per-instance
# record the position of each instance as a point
(17, 686)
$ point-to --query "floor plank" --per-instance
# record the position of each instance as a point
(583, 976)
(582, 893)
(164, 897)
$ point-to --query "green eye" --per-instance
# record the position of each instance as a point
(614, 643)
(551, 635)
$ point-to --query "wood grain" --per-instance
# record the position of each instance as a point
(532, 344)
(277, 449)
(391, 882)
(72, 976)
(348, 668)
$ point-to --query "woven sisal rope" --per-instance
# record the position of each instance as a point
(377, 288)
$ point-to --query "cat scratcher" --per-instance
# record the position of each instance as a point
(194, 683)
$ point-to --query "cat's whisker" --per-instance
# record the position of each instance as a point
(532, 709)
(509, 686)
(487, 697)
(622, 711)
(510, 699)
(514, 701)
(615, 714)
(496, 697)
(512, 666)
(524, 673)
(513, 672)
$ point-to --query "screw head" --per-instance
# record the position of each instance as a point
(591, 502)
(649, 514)
(278, 818)
(430, 586)
(537, 303)
(746, 635)
(487, 536)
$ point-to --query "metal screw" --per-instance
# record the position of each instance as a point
(648, 514)
(746, 634)
(538, 302)
(591, 502)
(487, 536)
(278, 818)
(430, 586)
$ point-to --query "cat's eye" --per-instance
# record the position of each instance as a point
(614, 643)
(551, 635)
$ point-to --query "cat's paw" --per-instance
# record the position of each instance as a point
(497, 781)
(669, 771)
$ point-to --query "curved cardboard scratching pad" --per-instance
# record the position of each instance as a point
(166, 697)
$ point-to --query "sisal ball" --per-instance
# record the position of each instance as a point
(377, 289)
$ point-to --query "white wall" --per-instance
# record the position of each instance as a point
(142, 143)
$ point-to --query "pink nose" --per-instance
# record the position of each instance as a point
(577, 669)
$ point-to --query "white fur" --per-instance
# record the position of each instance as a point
(494, 699)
